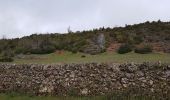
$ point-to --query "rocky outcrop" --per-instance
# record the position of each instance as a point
(95, 45)
(85, 79)
(92, 49)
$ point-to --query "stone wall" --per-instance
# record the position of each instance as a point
(85, 79)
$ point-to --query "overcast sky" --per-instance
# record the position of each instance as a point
(24, 17)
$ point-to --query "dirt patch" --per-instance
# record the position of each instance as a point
(113, 47)
(59, 52)
(161, 47)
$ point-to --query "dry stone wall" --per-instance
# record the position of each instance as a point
(85, 79)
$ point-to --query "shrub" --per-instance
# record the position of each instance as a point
(83, 56)
(74, 51)
(121, 37)
(144, 49)
(124, 49)
(103, 50)
(6, 56)
(48, 49)
(8, 53)
(138, 39)
(36, 51)
(43, 49)
(20, 50)
(6, 59)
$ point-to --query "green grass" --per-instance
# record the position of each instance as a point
(108, 97)
(69, 57)
(26, 97)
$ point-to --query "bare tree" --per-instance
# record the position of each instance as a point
(3, 37)
(69, 30)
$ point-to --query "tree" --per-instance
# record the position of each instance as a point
(69, 30)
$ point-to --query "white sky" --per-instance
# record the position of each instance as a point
(24, 17)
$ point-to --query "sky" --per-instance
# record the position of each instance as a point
(20, 18)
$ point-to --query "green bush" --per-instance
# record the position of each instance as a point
(138, 39)
(44, 48)
(6, 56)
(74, 51)
(37, 51)
(143, 50)
(47, 50)
(124, 49)
(103, 50)
(83, 56)
(121, 37)
(20, 50)
(6, 59)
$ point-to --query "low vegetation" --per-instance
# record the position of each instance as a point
(144, 49)
(6, 56)
(125, 49)
(125, 96)
(69, 57)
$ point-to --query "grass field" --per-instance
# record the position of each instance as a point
(109, 97)
(68, 57)
(22, 97)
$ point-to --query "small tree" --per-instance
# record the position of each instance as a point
(69, 30)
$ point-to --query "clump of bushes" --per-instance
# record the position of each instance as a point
(21, 50)
(6, 59)
(121, 37)
(137, 39)
(43, 50)
(125, 49)
(7, 56)
(143, 49)
(45, 47)
(83, 56)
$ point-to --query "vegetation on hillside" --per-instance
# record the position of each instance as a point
(90, 41)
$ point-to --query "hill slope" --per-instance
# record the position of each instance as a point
(154, 34)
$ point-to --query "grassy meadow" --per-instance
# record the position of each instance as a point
(68, 57)
(108, 97)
